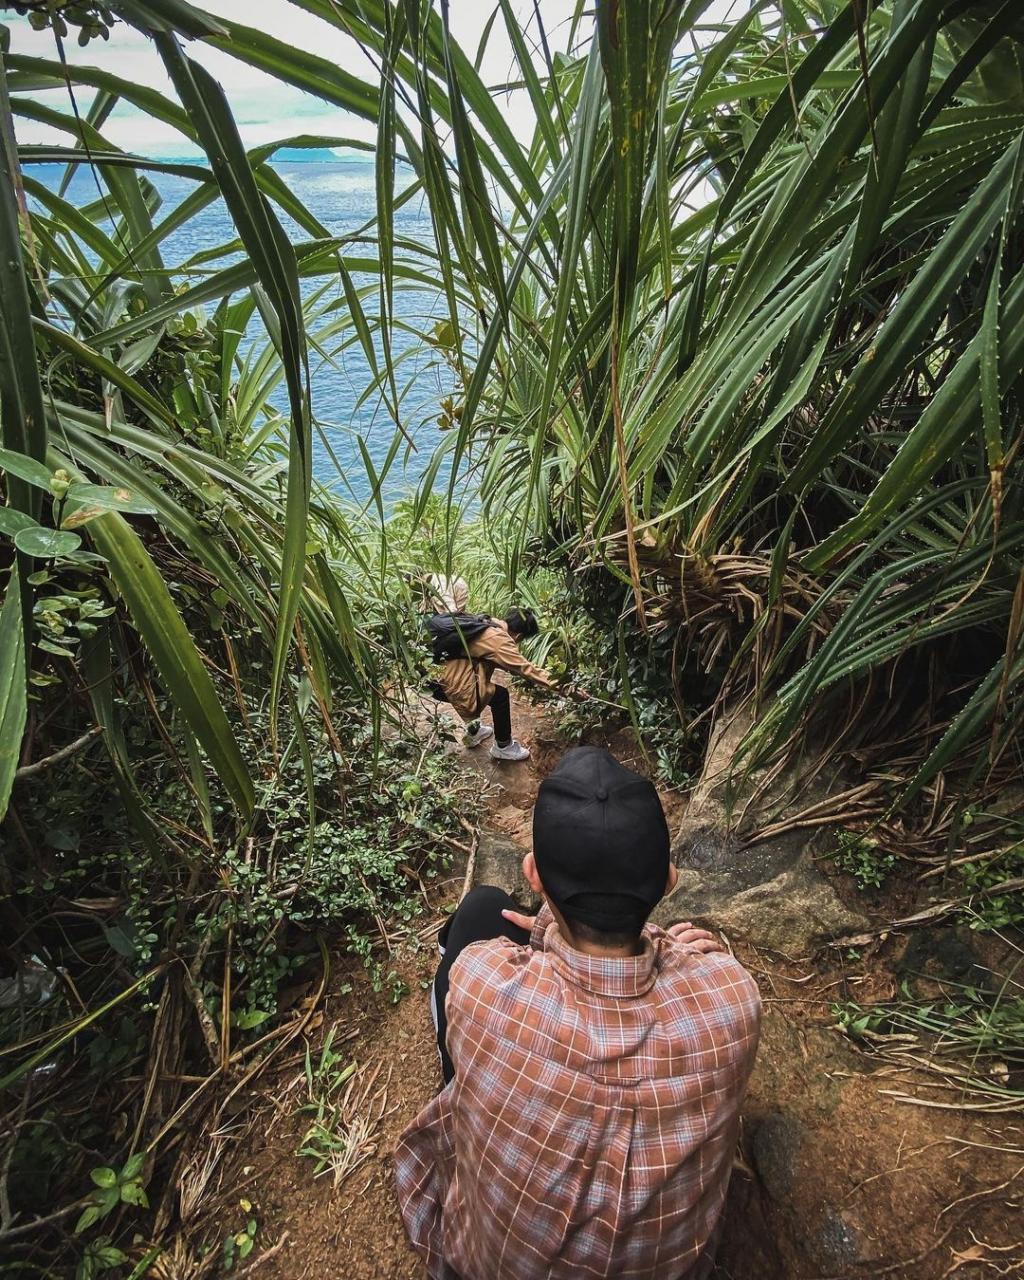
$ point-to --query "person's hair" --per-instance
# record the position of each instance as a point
(626, 936)
(522, 623)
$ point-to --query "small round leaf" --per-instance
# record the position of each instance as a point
(45, 544)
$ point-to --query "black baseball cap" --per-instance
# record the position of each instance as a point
(600, 841)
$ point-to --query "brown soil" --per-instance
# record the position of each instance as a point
(831, 1166)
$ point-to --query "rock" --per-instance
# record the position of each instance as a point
(784, 1154)
(726, 791)
(787, 1154)
(747, 1247)
(793, 914)
(946, 953)
(776, 1145)
(713, 787)
(515, 822)
(771, 894)
(499, 862)
(839, 1241)
(768, 892)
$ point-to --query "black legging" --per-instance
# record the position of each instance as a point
(477, 918)
(501, 710)
(501, 715)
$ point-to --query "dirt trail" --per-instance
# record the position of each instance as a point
(835, 1179)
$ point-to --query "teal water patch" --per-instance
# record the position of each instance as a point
(339, 191)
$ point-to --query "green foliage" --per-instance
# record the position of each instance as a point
(178, 582)
(855, 1021)
(13, 700)
(1001, 866)
(325, 1139)
(731, 351)
(429, 536)
(628, 671)
(64, 621)
(385, 817)
(751, 344)
(239, 1244)
(383, 820)
(151, 413)
(100, 1255)
(352, 868)
(91, 20)
(968, 1037)
(114, 1187)
(172, 564)
(861, 857)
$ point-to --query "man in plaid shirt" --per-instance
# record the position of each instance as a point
(594, 1065)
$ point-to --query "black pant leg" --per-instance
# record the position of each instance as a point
(477, 918)
(501, 715)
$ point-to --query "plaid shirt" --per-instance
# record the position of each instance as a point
(591, 1125)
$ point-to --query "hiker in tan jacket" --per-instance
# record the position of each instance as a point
(468, 684)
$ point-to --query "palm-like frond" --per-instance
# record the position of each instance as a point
(757, 299)
(746, 296)
(112, 372)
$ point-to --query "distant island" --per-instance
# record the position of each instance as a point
(311, 155)
(290, 155)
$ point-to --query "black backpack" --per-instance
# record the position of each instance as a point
(449, 634)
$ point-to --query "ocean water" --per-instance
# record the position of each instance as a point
(341, 194)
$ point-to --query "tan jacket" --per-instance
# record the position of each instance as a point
(468, 684)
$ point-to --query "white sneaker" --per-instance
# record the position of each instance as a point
(482, 734)
(514, 751)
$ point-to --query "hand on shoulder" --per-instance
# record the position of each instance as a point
(519, 918)
(701, 940)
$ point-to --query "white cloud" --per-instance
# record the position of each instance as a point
(265, 108)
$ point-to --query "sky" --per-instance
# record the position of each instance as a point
(265, 109)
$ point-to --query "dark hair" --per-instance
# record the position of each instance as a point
(522, 622)
(627, 936)
(628, 926)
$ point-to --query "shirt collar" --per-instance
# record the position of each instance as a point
(623, 977)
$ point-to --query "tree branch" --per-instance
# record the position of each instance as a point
(30, 770)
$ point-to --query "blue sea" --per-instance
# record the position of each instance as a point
(341, 194)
